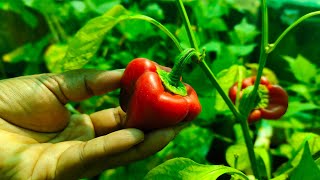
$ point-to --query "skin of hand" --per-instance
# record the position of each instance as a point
(40, 139)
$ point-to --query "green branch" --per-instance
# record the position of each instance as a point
(272, 46)
(214, 81)
(187, 24)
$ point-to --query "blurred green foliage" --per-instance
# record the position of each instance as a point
(36, 34)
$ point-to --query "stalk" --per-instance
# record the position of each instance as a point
(214, 81)
(272, 46)
(183, 59)
(171, 80)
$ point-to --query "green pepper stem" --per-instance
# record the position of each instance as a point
(212, 78)
(171, 80)
(183, 59)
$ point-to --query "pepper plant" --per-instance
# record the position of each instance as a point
(249, 99)
(250, 94)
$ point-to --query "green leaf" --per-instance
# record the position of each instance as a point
(302, 90)
(226, 79)
(281, 177)
(272, 78)
(183, 168)
(237, 157)
(307, 168)
(298, 137)
(100, 6)
(213, 45)
(154, 10)
(136, 30)
(245, 32)
(302, 68)
(45, 7)
(29, 52)
(248, 5)
(297, 142)
(89, 38)
(242, 50)
(53, 55)
(297, 106)
(264, 162)
(225, 59)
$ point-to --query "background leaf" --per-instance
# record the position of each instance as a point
(88, 39)
(302, 68)
(307, 169)
(226, 79)
(182, 168)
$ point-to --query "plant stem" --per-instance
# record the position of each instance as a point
(214, 81)
(171, 80)
(60, 30)
(263, 49)
(52, 28)
(272, 46)
(183, 59)
(262, 63)
(187, 24)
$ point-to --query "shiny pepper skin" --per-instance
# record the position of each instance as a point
(278, 99)
(148, 104)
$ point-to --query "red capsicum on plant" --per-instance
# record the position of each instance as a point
(272, 99)
(154, 98)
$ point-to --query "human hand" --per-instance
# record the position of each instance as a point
(40, 139)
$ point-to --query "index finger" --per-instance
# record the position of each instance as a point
(81, 84)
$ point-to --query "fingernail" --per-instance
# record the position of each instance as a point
(120, 70)
(136, 133)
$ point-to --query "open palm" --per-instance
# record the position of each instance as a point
(40, 139)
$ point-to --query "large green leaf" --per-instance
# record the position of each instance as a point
(297, 142)
(245, 32)
(237, 157)
(307, 168)
(302, 68)
(297, 107)
(89, 38)
(183, 168)
(226, 79)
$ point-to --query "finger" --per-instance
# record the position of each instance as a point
(81, 157)
(77, 85)
(37, 102)
(107, 121)
(153, 142)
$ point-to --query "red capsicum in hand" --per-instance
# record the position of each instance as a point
(154, 98)
(273, 99)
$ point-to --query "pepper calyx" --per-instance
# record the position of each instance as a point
(179, 88)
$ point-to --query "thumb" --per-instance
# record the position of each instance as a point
(79, 159)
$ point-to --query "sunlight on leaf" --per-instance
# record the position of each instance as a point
(237, 157)
(302, 68)
(245, 32)
(297, 107)
(183, 168)
(307, 168)
(88, 39)
(226, 79)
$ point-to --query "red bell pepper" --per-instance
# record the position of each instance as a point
(148, 102)
(277, 99)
